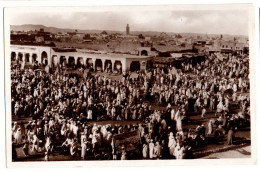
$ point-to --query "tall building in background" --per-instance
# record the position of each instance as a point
(127, 29)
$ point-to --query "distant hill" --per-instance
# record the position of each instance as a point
(30, 27)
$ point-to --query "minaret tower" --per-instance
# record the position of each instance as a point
(127, 29)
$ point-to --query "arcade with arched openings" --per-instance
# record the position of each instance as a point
(135, 66)
(44, 58)
(98, 61)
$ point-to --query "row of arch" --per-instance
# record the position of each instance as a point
(69, 62)
(96, 64)
(24, 58)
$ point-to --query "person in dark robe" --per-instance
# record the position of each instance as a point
(14, 153)
(218, 134)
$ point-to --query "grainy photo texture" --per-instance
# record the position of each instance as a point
(129, 84)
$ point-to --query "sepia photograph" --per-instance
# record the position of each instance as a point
(129, 83)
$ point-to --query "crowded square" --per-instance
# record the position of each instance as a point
(168, 111)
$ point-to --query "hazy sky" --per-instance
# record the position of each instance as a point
(213, 22)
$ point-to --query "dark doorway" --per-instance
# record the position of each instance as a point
(27, 58)
(98, 65)
(80, 62)
(54, 60)
(89, 63)
(108, 66)
(20, 57)
(44, 58)
(13, 56)
(63, 60)
(118, 66)
(34, 58)
(71, 62)
(135, 66)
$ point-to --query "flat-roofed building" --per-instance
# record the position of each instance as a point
(98, 60)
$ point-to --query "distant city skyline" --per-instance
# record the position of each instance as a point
(233, 22)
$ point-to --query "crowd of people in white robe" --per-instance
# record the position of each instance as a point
(62, 105)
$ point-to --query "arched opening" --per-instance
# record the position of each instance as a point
(34, 58)
(80, 62)
(27, 58)
(54, 60)
(135, 66)
(98, 65)
(20, 57)
(13, 56)
(89, 63)
(63, 60)
(108, 66)
(144, 53)
(71, 62)
(44, 58)
(118, 66)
